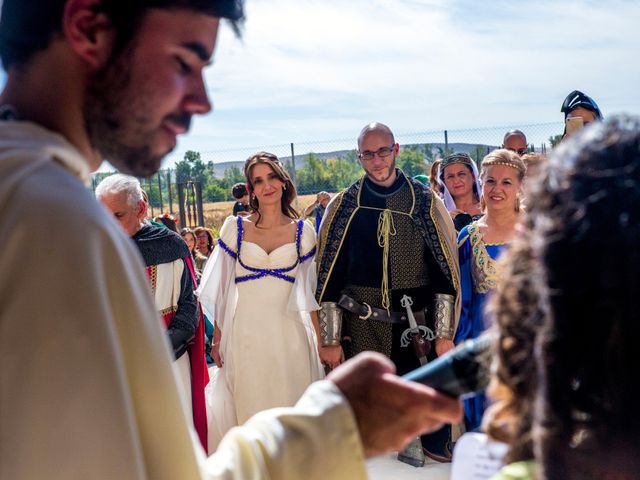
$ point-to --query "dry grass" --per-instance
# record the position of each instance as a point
(216, 212)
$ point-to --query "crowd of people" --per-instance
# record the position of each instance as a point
(317, 320)
(264, 270)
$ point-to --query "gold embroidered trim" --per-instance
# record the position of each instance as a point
(445, 249)
(326, 236)
(485, 269)
(165, 311)
(152, 271)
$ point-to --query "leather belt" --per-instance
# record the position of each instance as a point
(367, 312)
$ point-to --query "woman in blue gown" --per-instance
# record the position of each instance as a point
(480, 244)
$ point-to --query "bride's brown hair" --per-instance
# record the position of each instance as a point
(289, 193)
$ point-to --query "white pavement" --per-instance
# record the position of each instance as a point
(387, 467)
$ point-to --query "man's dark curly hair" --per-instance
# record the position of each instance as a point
(28, 26)
(569, 300)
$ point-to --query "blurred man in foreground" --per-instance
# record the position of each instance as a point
(86, 383)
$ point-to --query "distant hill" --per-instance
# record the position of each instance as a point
(220, 168)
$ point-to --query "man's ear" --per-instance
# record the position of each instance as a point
(142, 210)
(88, 32)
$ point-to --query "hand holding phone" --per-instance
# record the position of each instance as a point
(573, 124)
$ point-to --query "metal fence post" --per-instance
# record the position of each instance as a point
(293, 166)
(181, 215)
(446, 143)
(149, 195)
(160, 192)
(199, 207)
(169, 191)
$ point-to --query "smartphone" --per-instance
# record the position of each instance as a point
(573, 124)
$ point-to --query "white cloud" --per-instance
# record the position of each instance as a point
(314, 69)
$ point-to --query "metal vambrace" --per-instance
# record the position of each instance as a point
(444, 320)
(330, 319)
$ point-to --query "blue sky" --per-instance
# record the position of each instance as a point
(309, 70)
(315, 70)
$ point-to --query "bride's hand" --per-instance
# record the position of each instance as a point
(215, 354)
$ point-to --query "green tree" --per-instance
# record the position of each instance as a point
(314, 176)
(429, 154)
(192, 168)
(214, 192)
(233, 175)
(183, 171)
(555, 140)
(352, 157)
(342, 173)
(192, 156)
(478, 153)
(411, 161)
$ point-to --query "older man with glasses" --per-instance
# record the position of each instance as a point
(387, 261)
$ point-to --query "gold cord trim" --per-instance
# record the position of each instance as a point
(386, 229)
(333, 262)
(487, 270)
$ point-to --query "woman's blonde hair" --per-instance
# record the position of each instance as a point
(505, 157)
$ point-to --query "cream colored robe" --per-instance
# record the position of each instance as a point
(87, 387)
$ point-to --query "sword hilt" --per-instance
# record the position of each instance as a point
(406, 301)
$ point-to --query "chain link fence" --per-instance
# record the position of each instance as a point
(322, 165)
(432, 144)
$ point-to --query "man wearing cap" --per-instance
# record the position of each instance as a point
(86, 382)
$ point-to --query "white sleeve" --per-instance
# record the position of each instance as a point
(303, 293)
(219, 273)
(87, 388)
(316, 439)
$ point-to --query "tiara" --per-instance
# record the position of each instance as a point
(456, 158)
(518, 166)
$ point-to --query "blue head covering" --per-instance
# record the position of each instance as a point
(578, 99)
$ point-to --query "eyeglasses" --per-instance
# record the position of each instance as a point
(381, 152)
(203, 237)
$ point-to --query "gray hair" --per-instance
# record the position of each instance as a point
(118, 183)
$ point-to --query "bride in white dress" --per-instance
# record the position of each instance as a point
(259, 287)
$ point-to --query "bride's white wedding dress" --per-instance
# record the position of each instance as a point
(261, 302)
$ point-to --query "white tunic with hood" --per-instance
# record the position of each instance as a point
(86, 382)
